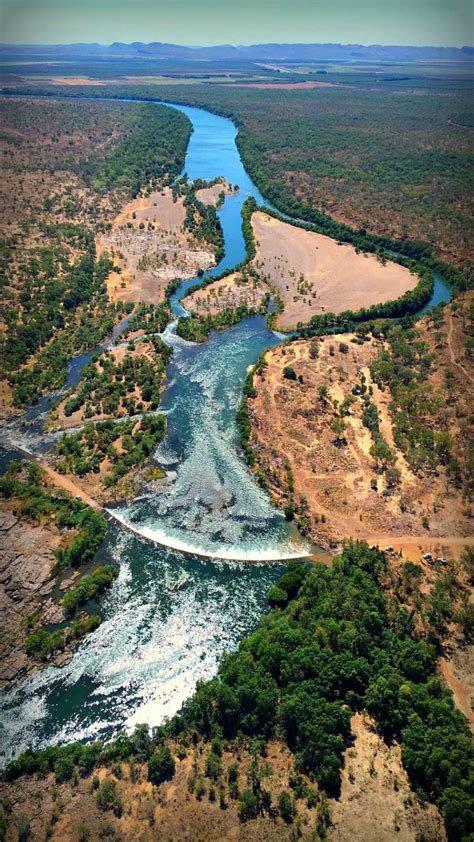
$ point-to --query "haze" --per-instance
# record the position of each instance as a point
(425, 22)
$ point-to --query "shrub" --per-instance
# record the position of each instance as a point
(108, 798)
(248, 806)
(161, 766)
(23, 829)
(63, 769)
(286, 807)
(277, 597)
(213, 766)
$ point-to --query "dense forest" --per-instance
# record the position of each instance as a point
(336, 642)
(153, 146)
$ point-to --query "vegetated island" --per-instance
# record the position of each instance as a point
(162, 235)
(329, 714)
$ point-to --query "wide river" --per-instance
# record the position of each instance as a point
(179, 603)
(198, 585)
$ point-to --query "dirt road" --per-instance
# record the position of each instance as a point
(64, 482)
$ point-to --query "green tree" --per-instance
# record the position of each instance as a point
(161, 766)
(286, 807)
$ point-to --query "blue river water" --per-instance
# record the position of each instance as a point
(199, 585)
(170, 614)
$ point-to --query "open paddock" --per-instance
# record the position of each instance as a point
(314, 274)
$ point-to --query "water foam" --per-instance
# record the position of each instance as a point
(224, 553)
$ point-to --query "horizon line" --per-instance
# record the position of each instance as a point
(235, 46)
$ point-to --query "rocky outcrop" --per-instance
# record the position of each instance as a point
(26, 582)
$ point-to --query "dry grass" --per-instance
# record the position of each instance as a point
(292, 429)
(172, 811)
(230, 291)
(314, 275)
(150, 257)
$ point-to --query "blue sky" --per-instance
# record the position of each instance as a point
(418, 22)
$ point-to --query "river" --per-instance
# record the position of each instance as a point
(171, 614)
(178, 604)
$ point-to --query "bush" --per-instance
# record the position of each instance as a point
(161, 766)
(23, 829)
(89, 587)
(63, 769)
(213, 767)
(277, 597)
(286, 807)
(289, 373)
(108, 798)
(248, 806)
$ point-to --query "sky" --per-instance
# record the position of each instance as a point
(206, 22)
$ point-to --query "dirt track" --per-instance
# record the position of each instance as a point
(66, 483)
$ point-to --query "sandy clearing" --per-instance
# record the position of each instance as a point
(413, 546)
(64, 482)
(314, 274)
(226, 292)
(375, 784)
(150, 257)
(462, 690)
(210, 195)
(158, 208)
(80, 80)
(453, 356)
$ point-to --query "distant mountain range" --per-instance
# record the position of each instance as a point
(257, 53)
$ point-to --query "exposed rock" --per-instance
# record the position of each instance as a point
(52, 613)
(7, 520)
(26, 558)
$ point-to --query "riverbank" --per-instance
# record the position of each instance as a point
(151, 247)
(164, 599)
(321, 760)
(44, 539)
(313, 274)
(326, 435)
